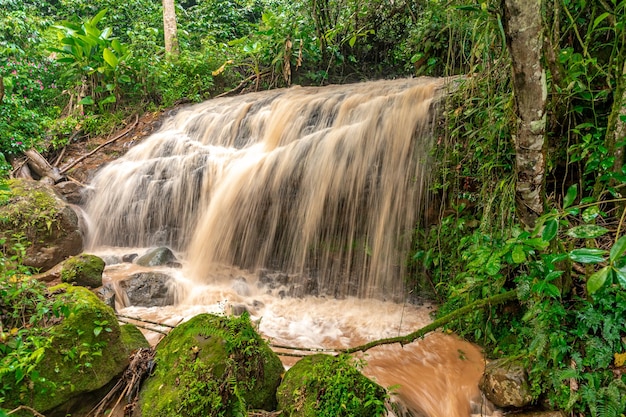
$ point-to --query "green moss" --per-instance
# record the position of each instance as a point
(212, 366)
(88, 348)
(327, 386)
(31, 208)
(85, 270)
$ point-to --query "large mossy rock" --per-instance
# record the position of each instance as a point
(87, 349)
(323, 385)
(505, 383)
(210, 366)
(38, 217)
(84, 270)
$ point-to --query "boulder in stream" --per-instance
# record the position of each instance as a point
(36, 216)
(86, 350)
(148, 289)
(505, 383)
(160, 256)
(212, 365)
(329, 385)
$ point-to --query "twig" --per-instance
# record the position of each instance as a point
(303, 349)
(142, 326)
(27, 408)
(403, 340)
(116, 137)
(145, 321)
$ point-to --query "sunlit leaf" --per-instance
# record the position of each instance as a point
(518, 254)
(110, 57)
(587, 231)
(591, 213)
(86, 101)
(587, 255)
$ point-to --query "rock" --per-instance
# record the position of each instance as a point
(106, 294)
(240, 285)
(541, 414)
(84, 270)
(505, 384)
(129, 257)
(157, 257)
(88, 349)
(148, 289)
(42, 221)
(327, 385)
(211, 365)
(71, 191)
(238, 309)
(111, 259)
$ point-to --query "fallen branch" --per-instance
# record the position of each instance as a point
(116, 137)
(142, 326)
(145, 320)
(242, 84)
(27, 408)
(403, 340)
(42, 167)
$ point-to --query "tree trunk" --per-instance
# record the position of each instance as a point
(169, 27)
(524, 36)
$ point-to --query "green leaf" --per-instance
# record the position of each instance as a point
(124, 79)
(591, 213)
(570, 196)
(587, 231)
(621, 276)
(98, 17)
(537, 243)
(518, 254)
(110, 58)
(493, 265)
(86, 101)
(597, 280)
(352, 41)
(600, 18)
(97, 331)
(618, 249)
(550, 231)
(109, 99)
(587, 255)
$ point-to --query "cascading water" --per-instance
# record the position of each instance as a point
(323, 185)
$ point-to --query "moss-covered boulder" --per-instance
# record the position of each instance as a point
(323, 385)
(35, 215)
(85, 351)
(84, 270)
(212, 366)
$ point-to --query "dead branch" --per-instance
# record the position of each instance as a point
(116, 137)
(242, 84)
(42, 167)
(27, 408)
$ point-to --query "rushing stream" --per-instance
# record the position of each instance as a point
(319, 188)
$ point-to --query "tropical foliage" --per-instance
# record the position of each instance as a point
(69, 68)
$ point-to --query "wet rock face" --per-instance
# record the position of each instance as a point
(148, 289)
(36, 216)
(505, 384)
(281, 284)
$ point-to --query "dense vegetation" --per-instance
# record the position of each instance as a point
(74, 69)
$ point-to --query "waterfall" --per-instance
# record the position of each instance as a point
(322, 183)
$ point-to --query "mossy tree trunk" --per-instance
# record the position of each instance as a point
(524, 35)
(170, 30)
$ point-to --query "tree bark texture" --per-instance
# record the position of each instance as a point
(524, 32)
(169, 27)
